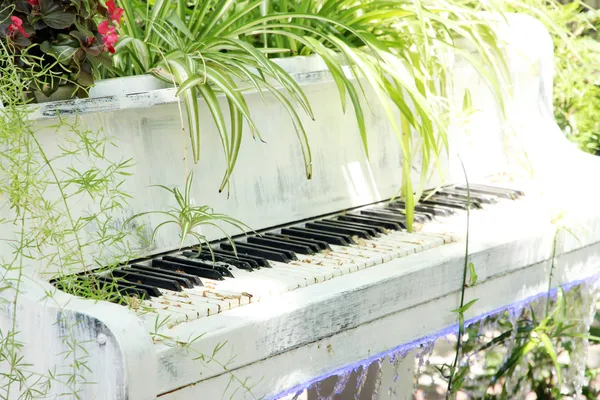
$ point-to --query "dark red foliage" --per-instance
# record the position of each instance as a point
(63, 33)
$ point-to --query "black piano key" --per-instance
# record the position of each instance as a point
(188, 269)
(192, 278)
(280, 244)
(219, 268)
(206, 255)
(372, 231)
(384, 214)
(436, 211)
(457, 194)
(418, 216)
(259, 261)
(421, 212)
(269, 253)
(315, 245)
(152, 291)
(317, 235)
(374, 221)
(146, 279)
(346, 239)
(462, 200)
(448, 203)
(183, 282)
(320, 226)
(387, 215)
(133, 291)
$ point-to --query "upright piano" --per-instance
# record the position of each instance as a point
(328, 277)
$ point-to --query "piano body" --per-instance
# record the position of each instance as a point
(328, 300)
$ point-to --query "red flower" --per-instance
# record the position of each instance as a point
(34, 3)
(114, 12)
(16, 26)
(109, 35)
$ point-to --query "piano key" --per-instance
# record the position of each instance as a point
(146, 279)
(194, 299)
(179, 309)
(384, 214)
(315, 245)
(223, 270)
(255, 261)
(329, 268)
(422, 213)
(330, 238)
(206, 255)
(374, 221)
(323, 226)
(281, 281)
(261, 251)
(281, 244)
(194, 279)
(345, 262)
(448, 203)
(482, 198)
(182, 281)
(436, 210)
(313, 273)
(399, 249)
(361, 250)
(371, 230)
(294, 274)
(399, 212)
(458, 200)
(151, 290)
(489, 191)
(427, 242)
(188, 269)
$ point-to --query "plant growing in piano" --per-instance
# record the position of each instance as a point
(189, 218)
(59, 42)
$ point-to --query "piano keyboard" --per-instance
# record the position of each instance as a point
(186, 285)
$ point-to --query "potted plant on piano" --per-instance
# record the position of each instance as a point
(61, 45)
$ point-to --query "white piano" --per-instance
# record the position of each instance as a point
(333, 281)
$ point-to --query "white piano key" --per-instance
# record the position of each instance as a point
(307, 270)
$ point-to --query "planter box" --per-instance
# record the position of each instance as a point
(127, 85)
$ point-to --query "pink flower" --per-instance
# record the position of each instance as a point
(16, 26)
(109, 35)
(34, 3)
(115, 13)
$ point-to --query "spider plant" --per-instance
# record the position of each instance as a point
(402, 52)
(189, 217)
(396, 47)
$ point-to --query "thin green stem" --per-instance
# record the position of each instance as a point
(461, 325)
(63, 198)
